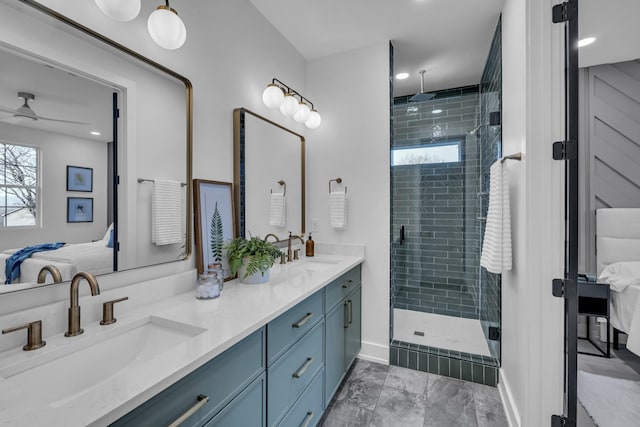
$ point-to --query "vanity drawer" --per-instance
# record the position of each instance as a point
(307, 411)
(341, 287)
(221, 379)
(290, 326)
(293, 372)
(246, 410)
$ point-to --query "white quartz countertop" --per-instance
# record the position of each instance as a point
(241, 310)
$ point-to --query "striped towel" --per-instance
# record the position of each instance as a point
(496, 247)
(166, 213)
(277, 213)
(338, 210)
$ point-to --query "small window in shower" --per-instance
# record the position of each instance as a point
(448, 152)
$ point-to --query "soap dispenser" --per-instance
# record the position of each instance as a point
(310, 246)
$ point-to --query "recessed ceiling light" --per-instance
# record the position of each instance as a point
(586, 41)
(438, 111)
(402, 76)
(95, 133)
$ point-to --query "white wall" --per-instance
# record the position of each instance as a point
(56, 152)
(531, 377)
(230, 55)
(351, 91)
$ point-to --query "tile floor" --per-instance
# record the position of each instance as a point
(376, 395)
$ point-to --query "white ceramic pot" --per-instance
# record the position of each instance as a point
(254, 279)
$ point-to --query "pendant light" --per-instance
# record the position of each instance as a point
(273, 96)
(279, 95)
(120, 10)
(166, 28)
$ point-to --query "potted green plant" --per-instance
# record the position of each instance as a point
(251, 259)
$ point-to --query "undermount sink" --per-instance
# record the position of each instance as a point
(318, 264)
(60, 375)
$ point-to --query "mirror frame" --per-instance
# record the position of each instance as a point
(238, 167)
(158, 67)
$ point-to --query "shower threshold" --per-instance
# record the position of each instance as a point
(436, 330)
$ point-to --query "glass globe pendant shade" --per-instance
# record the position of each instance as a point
(272, 96)
(120, 10)
(289, 105)
(166, 28)
(314, 120)
(303, 113)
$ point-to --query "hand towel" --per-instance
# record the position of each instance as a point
(277, 213)
(338, 210)
(166, 213)
(496, 246)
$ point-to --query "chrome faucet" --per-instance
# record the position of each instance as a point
(291, 237)
(55, 274)
(74, 310)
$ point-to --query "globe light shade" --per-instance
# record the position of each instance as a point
(314, 120)
(272, 96)
(303, 113)
(289, 105)
(120, 10)
(166, 28)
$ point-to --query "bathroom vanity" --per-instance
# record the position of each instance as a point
(271, 354)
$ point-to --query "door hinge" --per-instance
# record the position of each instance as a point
(558, 288)
(564, 12)
(494, 333)
(558, 421)
(565, 150)
(116, 113)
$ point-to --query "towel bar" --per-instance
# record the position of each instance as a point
(516, 156)
(140, 180)
(338, 180)
(284, 184)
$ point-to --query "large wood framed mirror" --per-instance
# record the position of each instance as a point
(268, 159)
(120, 120)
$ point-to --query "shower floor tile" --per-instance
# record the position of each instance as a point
(452, 333)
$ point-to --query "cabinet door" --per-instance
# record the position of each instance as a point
(334, 349)
(246, 410)
(354, 331)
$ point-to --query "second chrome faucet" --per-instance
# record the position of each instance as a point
(74, 309)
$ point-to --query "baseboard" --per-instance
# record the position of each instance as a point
(508, 402)
(374, 352)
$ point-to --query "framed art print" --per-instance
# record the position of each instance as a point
(79, 179)
(79, 209)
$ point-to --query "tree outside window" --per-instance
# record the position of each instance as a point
(18, 185)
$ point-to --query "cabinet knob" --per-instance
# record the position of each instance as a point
(107, 311)
(34, 334)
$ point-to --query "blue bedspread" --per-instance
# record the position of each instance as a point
(12, 264)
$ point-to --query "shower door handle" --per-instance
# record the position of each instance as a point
(402, 235)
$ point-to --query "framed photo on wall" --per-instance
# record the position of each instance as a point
(79, 209)
(214, 223)
(79, 179)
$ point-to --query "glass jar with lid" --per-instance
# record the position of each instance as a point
(210, 282)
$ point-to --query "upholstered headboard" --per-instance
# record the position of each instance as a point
(617, 236)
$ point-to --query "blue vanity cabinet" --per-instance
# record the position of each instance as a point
(226, 380)
(308, 409)
(343, 302)
(248, 409)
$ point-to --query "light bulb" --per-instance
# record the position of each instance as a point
(314, 120)
(166, 28)
(303, 113)
(289, 105)
(272, 96)
(120, 10)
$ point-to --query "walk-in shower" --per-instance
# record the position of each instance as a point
(445, 308)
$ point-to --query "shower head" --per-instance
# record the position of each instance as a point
(422, 96)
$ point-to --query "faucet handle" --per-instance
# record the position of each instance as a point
(283, 258)
(34, 334)
(296, 254)
(107, 311)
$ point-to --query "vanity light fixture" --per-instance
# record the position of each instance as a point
(164, 25)
(291, 103)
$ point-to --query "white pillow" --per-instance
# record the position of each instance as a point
(619, 275)
(107, 235)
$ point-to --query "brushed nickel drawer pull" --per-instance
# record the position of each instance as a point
(303, 368)
(202, 400)
(346, 284)
(350, 311)
(307, 419)
(346, 315)
(302, 321)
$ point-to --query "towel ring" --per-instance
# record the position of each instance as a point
(339, 181)
(281, 182)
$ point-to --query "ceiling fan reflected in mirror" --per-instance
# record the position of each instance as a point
(26, 112)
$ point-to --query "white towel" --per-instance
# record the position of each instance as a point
(496, 247)
(277, 212)
(338, 210)
(166, 212)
